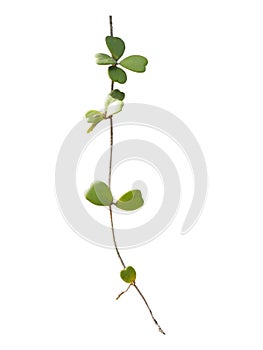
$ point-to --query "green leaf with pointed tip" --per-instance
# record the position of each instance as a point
(99, 194)
(117, 94)
(128, 275)
(102, 58)
(136, 63)
(117, 74)
(131, 200)
(91, 128)
(116, 46)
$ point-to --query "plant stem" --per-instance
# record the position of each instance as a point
(111, 34)
(145, 301)
(111, 149)
(110, 209)
(111, 26)
(110, 168)
(114, 239)
(111, 122)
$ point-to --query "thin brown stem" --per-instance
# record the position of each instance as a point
(110, 117)
(111, 149)
(110, 168)
(111, 26)
(114, 239)
(146, 303)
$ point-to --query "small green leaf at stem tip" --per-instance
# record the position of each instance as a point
(136, 63)
(119, 95)
(131, 200)
(103, 59)
(116, 46)
(99, 194)
(128, 275)
(117, 75)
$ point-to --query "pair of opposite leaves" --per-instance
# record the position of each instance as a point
(116, 46)
(99, 193)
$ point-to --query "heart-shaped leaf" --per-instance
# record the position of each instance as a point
(116, 46)
(102, 58)
(117, 74)
(131, 200)
(128, 275)
(136, 63)
(99, 194)
(117, 94)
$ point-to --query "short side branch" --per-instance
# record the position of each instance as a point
(126, 290)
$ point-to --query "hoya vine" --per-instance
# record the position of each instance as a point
(99, 192)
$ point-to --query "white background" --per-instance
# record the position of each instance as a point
(205, 66)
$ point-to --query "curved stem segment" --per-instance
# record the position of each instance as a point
(114, 239)
(111, 216)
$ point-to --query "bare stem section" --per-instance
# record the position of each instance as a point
(145, 301)
(114, 239)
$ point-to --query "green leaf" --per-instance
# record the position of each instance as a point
(92, 113)
(131, 200)
(109, 101)
(136, 63)
(117, 94)
(91, 128)
(99, 194)
(113, 106)
(128, 275)
(94, 116)
(102, 58)
(117, 74)
(116, 46)
(96, 119)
